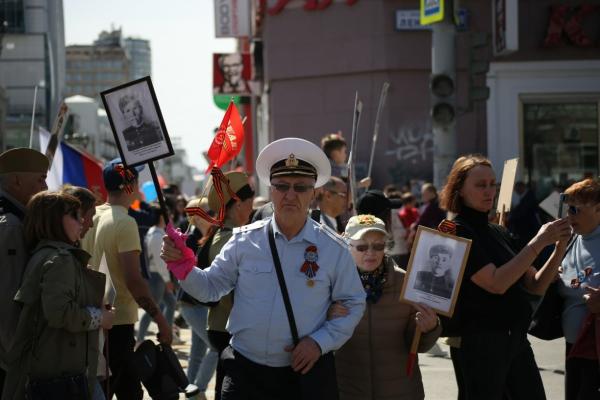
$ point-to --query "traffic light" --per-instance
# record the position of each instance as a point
(443, 110)
(479, 65)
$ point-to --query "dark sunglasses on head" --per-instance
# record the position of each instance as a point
(374, 246)
(298, 187)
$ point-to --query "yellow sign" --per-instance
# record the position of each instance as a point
(432, 11)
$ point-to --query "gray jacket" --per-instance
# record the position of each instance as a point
(12, 267)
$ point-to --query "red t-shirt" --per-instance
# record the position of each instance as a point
(408, 216)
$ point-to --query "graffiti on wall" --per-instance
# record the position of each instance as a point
(412, 145)
(410, 154)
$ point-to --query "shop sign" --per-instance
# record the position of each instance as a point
(274, 7)
(566, 20)
(232, 18)
(505, 26)
(410, 20)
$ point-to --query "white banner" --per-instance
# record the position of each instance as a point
(232, 18)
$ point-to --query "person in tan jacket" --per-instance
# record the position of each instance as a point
(372, 364)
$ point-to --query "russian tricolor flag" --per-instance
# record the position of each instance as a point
(73, 166)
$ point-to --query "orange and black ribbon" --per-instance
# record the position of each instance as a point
(128, 178)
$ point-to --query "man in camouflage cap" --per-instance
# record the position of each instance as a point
(22, 174)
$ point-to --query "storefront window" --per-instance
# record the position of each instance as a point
(560, 144)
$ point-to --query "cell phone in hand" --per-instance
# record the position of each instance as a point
(561, 205)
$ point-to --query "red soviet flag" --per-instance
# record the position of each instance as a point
(229, 138)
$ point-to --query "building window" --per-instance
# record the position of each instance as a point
(561, 143)
(12, 19)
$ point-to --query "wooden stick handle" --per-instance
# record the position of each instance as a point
(415, 342)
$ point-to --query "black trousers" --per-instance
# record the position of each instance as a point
(247, 380)
(2, 377)
(124, 383)
(582, 378)
(460, 382)
(497, 365)
(219, 340)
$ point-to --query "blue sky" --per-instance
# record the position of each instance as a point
(181, 33)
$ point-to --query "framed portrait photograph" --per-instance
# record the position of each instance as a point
(136, 122)
(435, 270)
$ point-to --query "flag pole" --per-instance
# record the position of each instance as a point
(159, 193)
(35, 90)
(352, 154)
(382, 98)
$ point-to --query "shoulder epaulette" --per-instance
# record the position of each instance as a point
(332, 234)
(250, 227)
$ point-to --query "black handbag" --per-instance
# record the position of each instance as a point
(321, 381)
(157, 366)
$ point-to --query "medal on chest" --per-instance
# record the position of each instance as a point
(310, 267)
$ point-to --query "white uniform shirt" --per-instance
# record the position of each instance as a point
(258, 321)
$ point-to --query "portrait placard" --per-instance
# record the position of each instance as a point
(137, 122)
(506, 186)
(435, 269)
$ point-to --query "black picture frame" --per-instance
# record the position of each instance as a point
(149, 140)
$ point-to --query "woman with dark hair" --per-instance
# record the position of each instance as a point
(88, 202)
(580, 288)
(430, 214)
(56, 345)
(493, 311)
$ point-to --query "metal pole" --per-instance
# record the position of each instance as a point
(443, 62)
(35, 90)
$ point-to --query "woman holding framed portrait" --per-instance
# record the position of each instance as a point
(371, 365)
(493, 311)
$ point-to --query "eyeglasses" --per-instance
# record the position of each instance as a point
(298, 187)
(373, 246)
(341, 194)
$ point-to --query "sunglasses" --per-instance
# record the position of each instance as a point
(298, 187)
(373, 246)
(573, 210)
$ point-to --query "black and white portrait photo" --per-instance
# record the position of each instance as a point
(137, 122)
(435, 269)
(436, 277)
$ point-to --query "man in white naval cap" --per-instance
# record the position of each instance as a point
(262, 362)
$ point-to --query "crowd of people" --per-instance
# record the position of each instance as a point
(292, 297)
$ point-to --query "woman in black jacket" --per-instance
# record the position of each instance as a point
(493, 312)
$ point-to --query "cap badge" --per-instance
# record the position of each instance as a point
(291, 161)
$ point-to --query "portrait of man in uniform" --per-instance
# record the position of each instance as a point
(139, 131)
(437, 278)
(137, 122)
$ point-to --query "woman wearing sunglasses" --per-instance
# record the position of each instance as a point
(55, 353)
(493, 314)
(372, 364)
(581, 286)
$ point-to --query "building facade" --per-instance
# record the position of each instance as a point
(315, 61)
(97, 67)
(33, 55)
(544, 97)
(140, 55)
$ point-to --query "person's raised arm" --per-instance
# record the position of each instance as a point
(498, 279)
